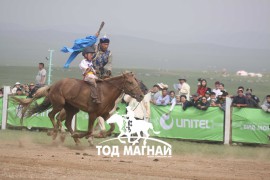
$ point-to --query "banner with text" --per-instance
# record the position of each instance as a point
(250, 125)
(191, 124)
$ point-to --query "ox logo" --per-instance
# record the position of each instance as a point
(130, 128)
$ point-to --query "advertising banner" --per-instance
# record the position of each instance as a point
(250, 125)
(190, 124)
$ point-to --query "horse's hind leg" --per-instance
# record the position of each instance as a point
(52, 114)
(70, 111)
(60, 118)
(89, 136)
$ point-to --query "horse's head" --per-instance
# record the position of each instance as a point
(143, 87)
(132, 87)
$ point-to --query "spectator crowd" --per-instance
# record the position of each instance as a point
(27, 90)
(30, 89)
(160, 95)
(205, 96)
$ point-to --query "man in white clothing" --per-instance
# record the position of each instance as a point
(217, 89)
(185, 88)
(16, 87)
(41, 76)
(141, 109)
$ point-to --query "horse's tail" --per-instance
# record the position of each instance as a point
(41, 92)
(22, 102)
(25, 103)
(152, 128)
(39, 108)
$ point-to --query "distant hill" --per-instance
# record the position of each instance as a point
(20, 46)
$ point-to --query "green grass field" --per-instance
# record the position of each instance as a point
(178, 147)
(9, 75)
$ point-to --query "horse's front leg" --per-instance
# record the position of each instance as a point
(112, 125)
(89, 133)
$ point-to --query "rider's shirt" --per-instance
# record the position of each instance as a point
(85, 64)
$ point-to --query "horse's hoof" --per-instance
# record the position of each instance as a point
(62, 137)
(54, 136)
(91, 143)
(75, 135)
(50, 133)
(78, 143)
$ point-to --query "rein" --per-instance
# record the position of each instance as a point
(136, 106)
(124, 86)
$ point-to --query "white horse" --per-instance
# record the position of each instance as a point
(129, 125)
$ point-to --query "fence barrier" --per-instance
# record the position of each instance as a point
(245, 125)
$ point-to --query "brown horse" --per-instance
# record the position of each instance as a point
(62, 117)
(73, 95)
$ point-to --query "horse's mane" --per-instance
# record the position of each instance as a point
(100, 80)
(107, 79)
(113, 78)
(116, 77)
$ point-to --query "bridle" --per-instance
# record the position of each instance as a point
(132, 90)
(123, 87)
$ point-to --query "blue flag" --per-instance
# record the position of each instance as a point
(79, 45)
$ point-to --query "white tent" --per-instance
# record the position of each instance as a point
(241, 73)
(259, 75)
(252, 74)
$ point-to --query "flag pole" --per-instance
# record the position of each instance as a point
(50, 66)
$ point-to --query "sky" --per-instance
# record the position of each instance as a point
(170, 21)
(221, 33)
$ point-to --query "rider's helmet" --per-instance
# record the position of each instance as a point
(88, 49)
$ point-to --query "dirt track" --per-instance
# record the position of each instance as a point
(27, 160)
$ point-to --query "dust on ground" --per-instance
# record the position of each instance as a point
(25, 159)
